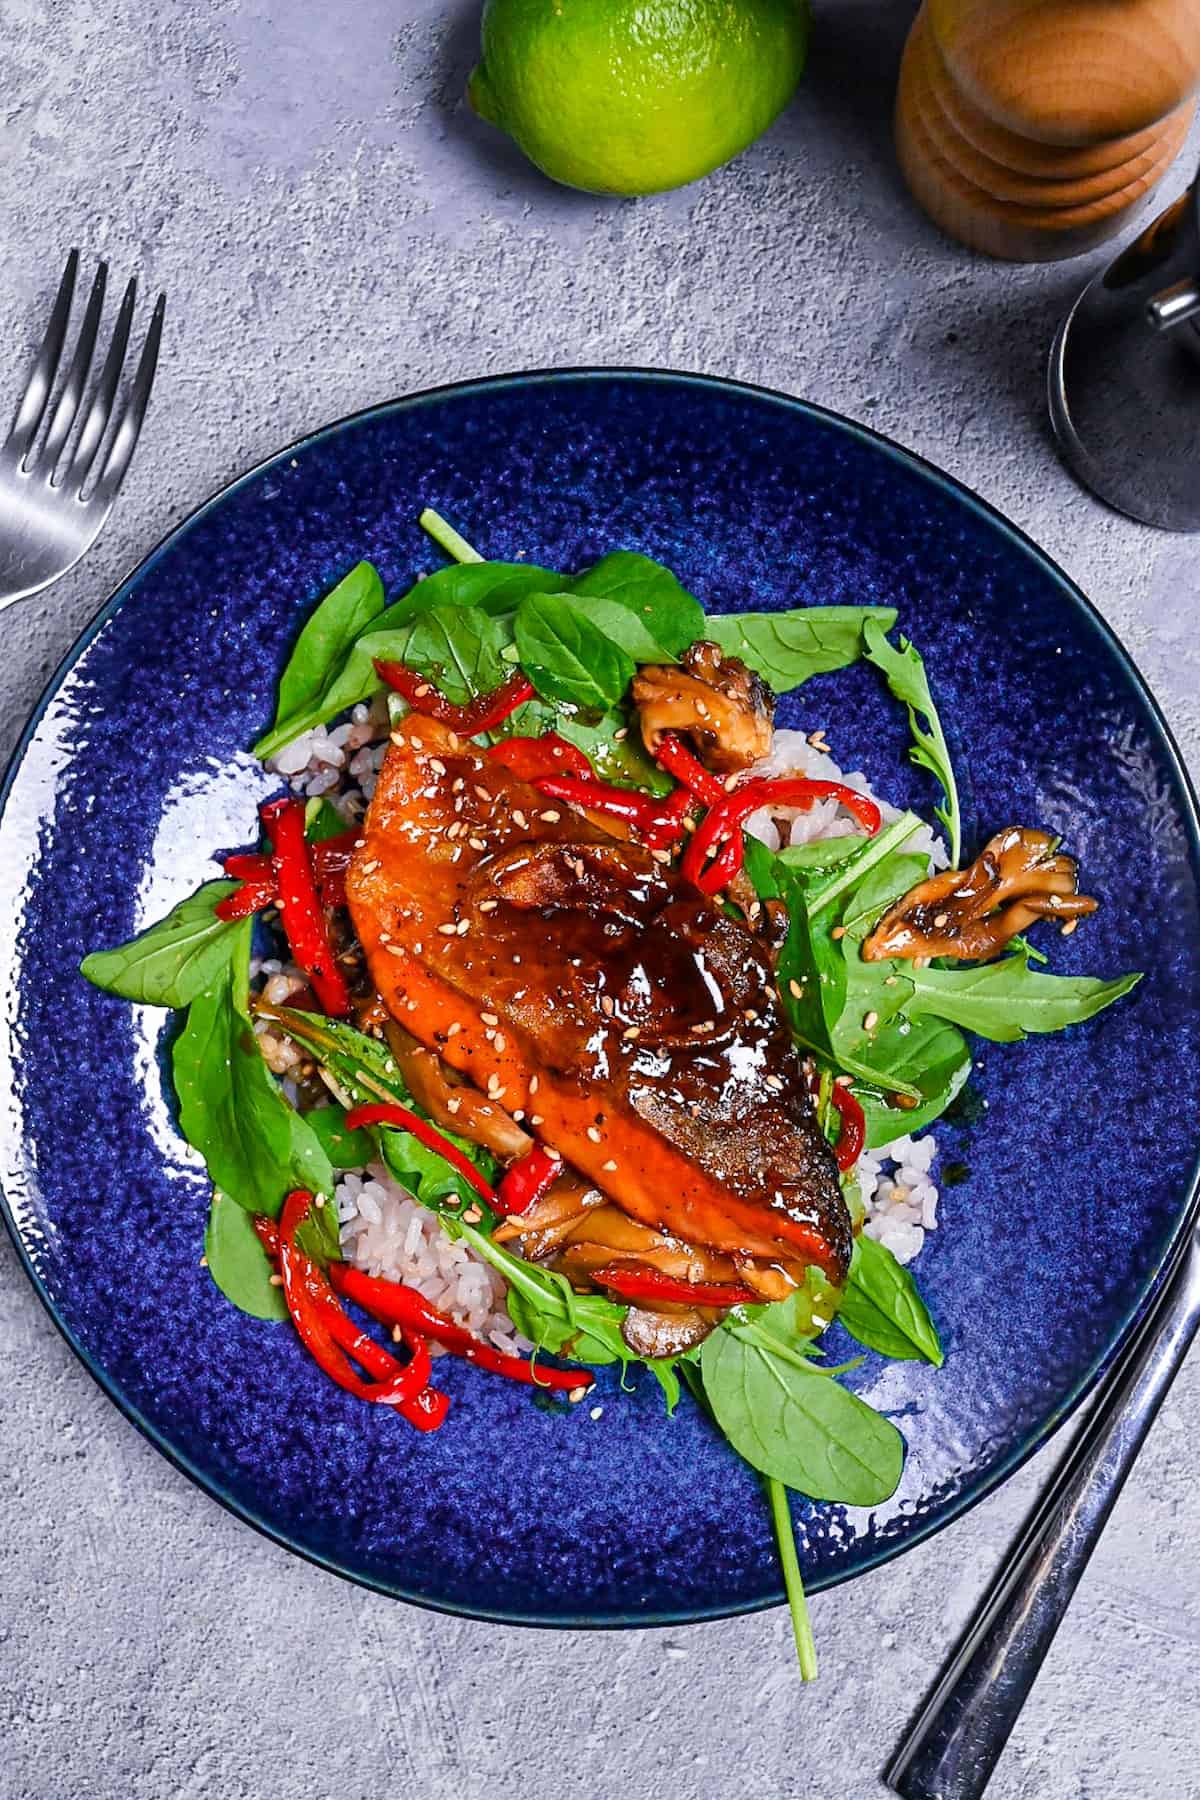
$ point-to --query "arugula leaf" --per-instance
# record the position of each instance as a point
(1006, 1000)
(257, 1147)
(933, 1058)
(345, 1149)
(173, 961)
(641, 606)
(882, 1309)
(904, 672)
(490, 587)
(786, 648)
(544, 1308)
(566, 656)
(328, 633)
(457, 647)
(795, 1423)
(237, 1261)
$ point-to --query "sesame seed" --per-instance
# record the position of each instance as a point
(1069, 927)
(940, 919)
(576, 1394)
(501, 1043)
(370, 868)
(318, 1201)
(775, 1082)
(277, 1281)
(593, 1134)
(437, 765)
(453, 1030)
(731, 782)
(448, 930)
(597, 1412)
(422, 689)
(702, 709)
(607, 1005)
(795, 989)
(488, 906)
(609, 1166)
(536, 1119)
(452, 1106)
(394, 949)
(399, 739)
(871, 1020)
(839, 931)
(519, 818)
(533, 1084)
(477, 843)
(755, 910)
(463, 926)
(482, 793)
(472, 1214)
(457, 785)
(489, 1018)
(633, 1032)
(204, 1262)
(620, 736)
(550, 817)
(577, 866)
(453, 741)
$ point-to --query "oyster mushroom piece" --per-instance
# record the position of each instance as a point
(715, 700)
(972, 913)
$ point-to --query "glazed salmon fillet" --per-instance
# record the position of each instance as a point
(582, 986)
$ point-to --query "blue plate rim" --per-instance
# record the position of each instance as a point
(1092, 617)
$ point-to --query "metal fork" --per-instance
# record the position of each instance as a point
(54, 497)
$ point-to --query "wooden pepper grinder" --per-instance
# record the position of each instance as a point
(1028, 128)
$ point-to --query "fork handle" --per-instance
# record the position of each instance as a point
(952, 1749)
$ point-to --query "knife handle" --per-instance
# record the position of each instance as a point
(952, 1749)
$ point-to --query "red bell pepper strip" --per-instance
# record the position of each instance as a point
(853, 1133)
(401, 1119)
(532, 758)
(331, 1336)
(653, 820)
(300, 904)
(674, 756)
(722, 824)
(251, 897)
(254, 867)
(481, 714)
(630, 1282)
(393, 1304)
(526, 1182)
(330, 860)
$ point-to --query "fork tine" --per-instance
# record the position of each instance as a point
(124, 443)
(97, 413)
(81, 362)
(33, 401)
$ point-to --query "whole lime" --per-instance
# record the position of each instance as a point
(635, 96)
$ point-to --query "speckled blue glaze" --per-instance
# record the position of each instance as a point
(135, 769)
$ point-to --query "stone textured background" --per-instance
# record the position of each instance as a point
(333, 229)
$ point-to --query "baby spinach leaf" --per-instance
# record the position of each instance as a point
(786, 648)
(257, 1147)
(345, 1149)
(457, 647)
(641, 606)
(237, 1261)
(623, 760)
(173, 961)
(904, 672)
(882, 1309)
(567, 657)
(820, 854)
(329, 631)
(322, 820)
(796, 1424)
(1006, 1000)
(489, 587)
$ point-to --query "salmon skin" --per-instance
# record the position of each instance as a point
(580, 984)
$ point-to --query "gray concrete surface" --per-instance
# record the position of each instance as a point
(333, 229)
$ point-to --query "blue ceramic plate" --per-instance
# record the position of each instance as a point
(1060, 1202)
